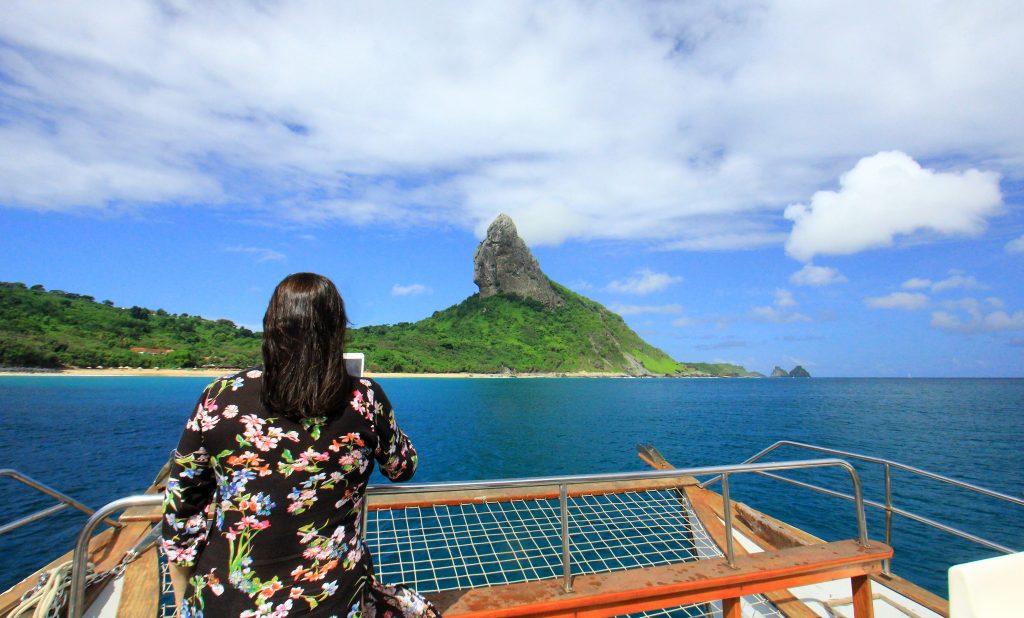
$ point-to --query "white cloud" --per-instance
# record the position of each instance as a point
(690, 124)
(955, 281)
(979, 322)
(1016, 245)
(898, 300)
(639, 309)
(645, 281)
(888, 195)
(967, 315)
(817, 276)
(683, 322)
(917, 283)
(776, 316)
(413, 289)
(784, 298)
(258, 253)
(970, 305)
(779, 313)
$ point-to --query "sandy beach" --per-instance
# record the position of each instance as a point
(215, 372)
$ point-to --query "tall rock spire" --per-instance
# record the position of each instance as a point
(504, 265)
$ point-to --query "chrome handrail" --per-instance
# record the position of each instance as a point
(890, 510)
(80, 559)
(64, 501)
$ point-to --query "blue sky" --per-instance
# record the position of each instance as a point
(831, 185)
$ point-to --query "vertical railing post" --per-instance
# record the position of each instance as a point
(364, 512)
(563, 504)
(730, 552)
(886, 567)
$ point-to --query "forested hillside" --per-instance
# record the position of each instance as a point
(507, 333)
(40, 328)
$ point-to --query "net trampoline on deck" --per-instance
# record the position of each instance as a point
(475, 544)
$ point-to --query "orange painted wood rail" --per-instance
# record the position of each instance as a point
(621, 592)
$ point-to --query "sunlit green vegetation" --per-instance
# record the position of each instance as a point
(40, 328)
(499, 334)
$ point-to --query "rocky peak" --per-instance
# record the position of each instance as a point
(504, 265)
(799, 372)
(779, 372)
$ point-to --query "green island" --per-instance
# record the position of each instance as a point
(53, 329)
(520, 322)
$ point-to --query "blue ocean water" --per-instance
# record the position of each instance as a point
(98, 439)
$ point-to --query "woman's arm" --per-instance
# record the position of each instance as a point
(395, 453)
(191, 484)
(179, 581)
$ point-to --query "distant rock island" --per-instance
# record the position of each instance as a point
(798, 372)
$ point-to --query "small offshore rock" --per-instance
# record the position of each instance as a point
(799, 372)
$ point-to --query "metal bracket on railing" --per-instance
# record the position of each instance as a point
(730, 551)
(563, 513)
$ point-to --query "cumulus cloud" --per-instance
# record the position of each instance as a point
(413, 289)
(645, 281)
(777, 316)
(969, 315)
(889, 195)
(690, 124)
(898, 300)
(1016, 245)
(978, 322)
(259, 254)
(784, 298)
(955, 280)
(917, 283)
(817, 276)
(640, 309)
(779, 313)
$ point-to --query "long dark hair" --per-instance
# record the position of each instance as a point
(303, 347)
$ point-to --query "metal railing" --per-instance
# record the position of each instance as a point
(890, 510)
(563, 483)
(63, 501)
(80, 560)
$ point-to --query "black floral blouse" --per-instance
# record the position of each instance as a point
(285, 538)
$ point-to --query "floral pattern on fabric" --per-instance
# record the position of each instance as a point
(267, 510)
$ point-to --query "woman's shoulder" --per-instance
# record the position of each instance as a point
(364, 384)
(235, 381)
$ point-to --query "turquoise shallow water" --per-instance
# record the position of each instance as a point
(98, 439)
